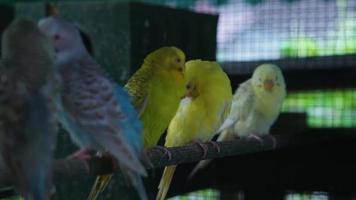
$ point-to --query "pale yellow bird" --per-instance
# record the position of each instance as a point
(255, 107)
(200, 113)
(256, 104)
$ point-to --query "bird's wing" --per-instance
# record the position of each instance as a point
(138, 89)
(91, 102)
(242, 104)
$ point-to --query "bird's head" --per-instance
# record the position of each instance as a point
(268, 79)
(65, 37)
(192, 89)
(169, 61)
(22, 38)
(28, 51)
(204, 77)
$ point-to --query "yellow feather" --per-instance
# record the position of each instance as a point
(100, 184)
(165, 182)
(255, 107)
(156, 89)
(201, 113)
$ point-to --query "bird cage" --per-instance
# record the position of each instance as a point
(312, 41)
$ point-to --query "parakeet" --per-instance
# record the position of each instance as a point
(255, 107)
(27, 126)
(156, 90)
(200, 113)
(95, 111)
(256, 103)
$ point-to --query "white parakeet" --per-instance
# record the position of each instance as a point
(255, 107)
(256, 104)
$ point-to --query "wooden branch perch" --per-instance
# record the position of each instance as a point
(185, 154)
(314, 139)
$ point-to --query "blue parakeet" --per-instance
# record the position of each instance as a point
(93, 109)
(27, 126)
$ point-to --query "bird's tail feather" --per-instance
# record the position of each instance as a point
(124, 154)
(99, 186)
(165, 182)
(224, 136)
(227, 123)
(197, 167)
(137, 182)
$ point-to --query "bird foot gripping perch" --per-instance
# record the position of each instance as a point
(165, 151)
(215, 145)
(81, 155)
(203, 147)
(260, 140)
(256, 137)
(274, 141)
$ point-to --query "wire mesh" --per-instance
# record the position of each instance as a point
(261, 29)
(250, 30)
(331, 108)
(253, 30)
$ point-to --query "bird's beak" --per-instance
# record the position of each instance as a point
(268, 85)
(181, 69)
(191, 92)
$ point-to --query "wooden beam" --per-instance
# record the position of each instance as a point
(328, 72)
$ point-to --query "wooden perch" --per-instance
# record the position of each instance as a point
(65, 169)
(288, 152)
(190, 153)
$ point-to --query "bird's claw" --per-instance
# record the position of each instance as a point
(256, 137)
(81, 155)
(165, 151)
(215, 145)
(146, 160)
(274, 141)
(203, 147)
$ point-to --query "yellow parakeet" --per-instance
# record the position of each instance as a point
(201, 112)
(255, 107)
(155, 90)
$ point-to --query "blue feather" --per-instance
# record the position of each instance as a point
(132, 128)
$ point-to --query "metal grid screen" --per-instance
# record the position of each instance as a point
(332, 108)
(253, 30)
(272, 29)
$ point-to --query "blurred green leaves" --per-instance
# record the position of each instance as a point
(199, 195)
(299, 47)
(330, 108)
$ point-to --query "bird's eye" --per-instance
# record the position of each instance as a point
(180, 69)
(178, 60)
(56, 37)
(188, 86)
